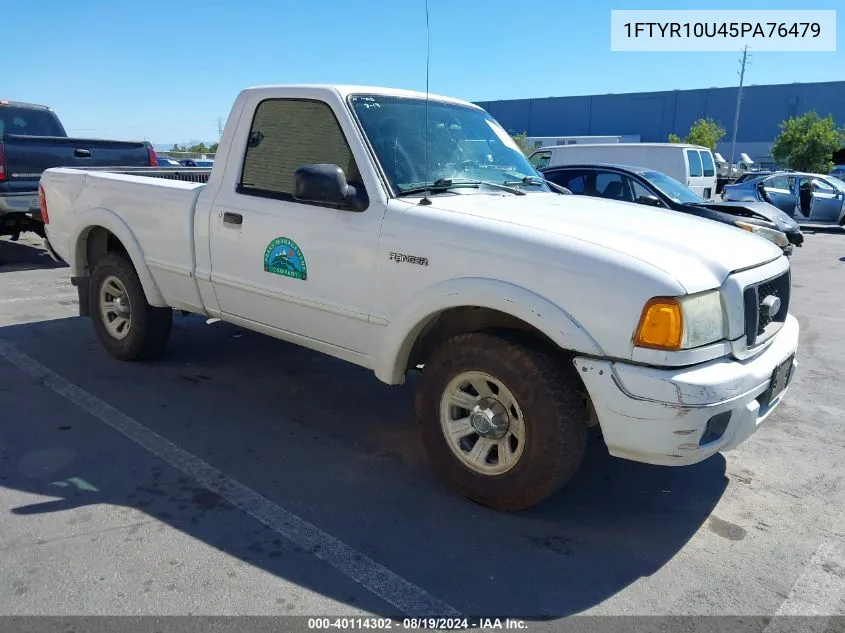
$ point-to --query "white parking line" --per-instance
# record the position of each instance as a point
(815, 594)
(408, 598)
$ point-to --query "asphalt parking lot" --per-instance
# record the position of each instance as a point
(242, 475)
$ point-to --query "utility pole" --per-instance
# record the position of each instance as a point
(738, 105)
(219, 128)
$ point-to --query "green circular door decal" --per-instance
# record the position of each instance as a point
(283, 257)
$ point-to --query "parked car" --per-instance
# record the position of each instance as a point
(197, 162)
(691, 165)
(809, 198)
(531, 315)
(32, 139)
(838, 172)
(653, 188)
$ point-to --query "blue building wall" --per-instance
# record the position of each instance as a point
(654, 115)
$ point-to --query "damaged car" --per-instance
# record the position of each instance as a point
(648, 187)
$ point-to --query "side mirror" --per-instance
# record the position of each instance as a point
(652, 201)
(325, 184)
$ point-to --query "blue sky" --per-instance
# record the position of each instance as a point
(166, 70)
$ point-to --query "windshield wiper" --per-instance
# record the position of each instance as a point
(537, 181)
(444, 184)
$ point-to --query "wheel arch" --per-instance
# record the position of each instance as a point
(470, 305)
(99, 231)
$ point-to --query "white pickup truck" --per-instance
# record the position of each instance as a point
(333, 219)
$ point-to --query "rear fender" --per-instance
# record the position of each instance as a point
(403, 329)
(84, 222)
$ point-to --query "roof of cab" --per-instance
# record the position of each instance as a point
(345, 90)
(24, 104)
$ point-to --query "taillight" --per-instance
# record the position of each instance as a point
(42, 202)
(2, 163)
(152, 155)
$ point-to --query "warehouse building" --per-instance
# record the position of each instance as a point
(652, 116)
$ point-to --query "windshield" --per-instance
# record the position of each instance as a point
(464, 143)
(672, 188)
(837, 182)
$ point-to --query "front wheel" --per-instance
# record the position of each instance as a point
(503, 424)
(126, 324)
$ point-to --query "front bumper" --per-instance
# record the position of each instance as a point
(681, 416)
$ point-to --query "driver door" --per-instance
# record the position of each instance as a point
(776, 191)
(827, 202)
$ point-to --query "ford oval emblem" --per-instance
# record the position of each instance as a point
(770, 306)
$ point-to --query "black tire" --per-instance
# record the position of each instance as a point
(149, 326)
(553, 407)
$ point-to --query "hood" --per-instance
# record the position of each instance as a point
(782, 221)
(698, 253)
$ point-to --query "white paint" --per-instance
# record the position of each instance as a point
(408, 598)
(815, 594)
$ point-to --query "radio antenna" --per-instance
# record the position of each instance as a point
(425, 200)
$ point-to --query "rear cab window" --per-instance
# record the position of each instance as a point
(694, 159)
(29, 122)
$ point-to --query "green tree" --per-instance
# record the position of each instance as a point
(807, 142)
(522, 143)
(704, 132)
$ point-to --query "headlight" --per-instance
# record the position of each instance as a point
(674, 323)
(773, 235)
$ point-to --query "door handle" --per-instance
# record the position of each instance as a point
(233, 218)
(82, 153)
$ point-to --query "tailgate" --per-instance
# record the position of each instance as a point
(28, 156)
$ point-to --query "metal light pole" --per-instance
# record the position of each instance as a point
(738, 105)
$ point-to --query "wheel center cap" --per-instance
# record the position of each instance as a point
(490, 419)
(121, 306)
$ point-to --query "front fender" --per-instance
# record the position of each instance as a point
(86, 220)
(403, 329)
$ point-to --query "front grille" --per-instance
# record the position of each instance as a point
(760, 322)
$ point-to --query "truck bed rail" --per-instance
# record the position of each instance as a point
(186, 174)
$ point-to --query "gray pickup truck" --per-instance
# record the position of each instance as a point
(33, 139)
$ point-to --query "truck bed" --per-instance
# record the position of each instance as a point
(157, 208)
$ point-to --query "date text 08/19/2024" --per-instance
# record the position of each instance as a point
(459, 623)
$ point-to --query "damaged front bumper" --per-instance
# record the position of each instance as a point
(681, 416)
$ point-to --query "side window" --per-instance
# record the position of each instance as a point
(777, 182)
(822, 186)
(540, 159)
(639, 190)
(612, 186)
(707, 161)
(575, 181)
(694, 159)
(285, 135)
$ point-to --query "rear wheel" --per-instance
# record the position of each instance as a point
(126, 324)
(502, 422)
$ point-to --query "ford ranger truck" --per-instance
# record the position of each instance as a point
(334, 219)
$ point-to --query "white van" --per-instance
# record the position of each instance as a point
(691, 165)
